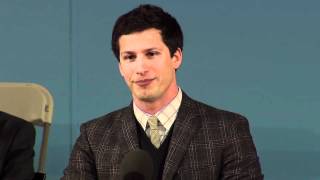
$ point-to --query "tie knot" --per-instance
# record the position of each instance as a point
(153, 121)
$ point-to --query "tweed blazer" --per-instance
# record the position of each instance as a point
(206, 144)
(17, 138)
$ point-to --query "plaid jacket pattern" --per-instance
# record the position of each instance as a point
(206, 144)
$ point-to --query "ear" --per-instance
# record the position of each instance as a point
(177, 58)
(120, 68)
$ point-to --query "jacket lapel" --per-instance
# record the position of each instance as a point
(129, 131)
(185, 126)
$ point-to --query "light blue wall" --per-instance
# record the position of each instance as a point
(259, 58)
(35, 47)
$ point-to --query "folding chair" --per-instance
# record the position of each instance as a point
(33, 103)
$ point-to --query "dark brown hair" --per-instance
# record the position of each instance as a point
(144, 17)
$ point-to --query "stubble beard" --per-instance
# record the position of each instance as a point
(146, 95)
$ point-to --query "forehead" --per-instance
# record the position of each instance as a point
(150, 38)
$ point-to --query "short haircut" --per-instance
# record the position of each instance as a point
(144, 17)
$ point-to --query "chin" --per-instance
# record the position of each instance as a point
(147, 95)
(147, 98)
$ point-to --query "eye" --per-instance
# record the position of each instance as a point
(151, 54)
(129, 57)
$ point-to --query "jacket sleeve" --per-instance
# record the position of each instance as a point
(19, 158)
(240, 159)
(81, 163)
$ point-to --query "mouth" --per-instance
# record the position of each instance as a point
(144, 82)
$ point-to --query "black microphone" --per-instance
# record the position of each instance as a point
(136, 165)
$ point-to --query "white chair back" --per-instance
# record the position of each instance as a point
(31, 102)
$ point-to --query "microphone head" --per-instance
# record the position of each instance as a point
(136, 165)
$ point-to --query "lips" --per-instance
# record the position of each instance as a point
(144, 82)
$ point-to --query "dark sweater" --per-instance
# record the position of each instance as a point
(158, 155)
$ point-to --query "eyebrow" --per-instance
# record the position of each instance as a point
(127, 52)
(145, 50)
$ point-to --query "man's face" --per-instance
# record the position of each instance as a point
(147, 67)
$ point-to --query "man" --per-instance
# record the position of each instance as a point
(188, 139)
(17, 138)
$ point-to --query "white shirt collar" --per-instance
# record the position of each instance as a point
(166, 115)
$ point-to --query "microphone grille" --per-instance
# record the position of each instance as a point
(136, 165)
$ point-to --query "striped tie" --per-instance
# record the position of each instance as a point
(154, 131)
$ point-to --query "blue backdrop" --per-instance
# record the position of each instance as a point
(260, 58)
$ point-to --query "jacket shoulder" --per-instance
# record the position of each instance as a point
(11, 123)
(230, 124)
(216, 114)
(104, 124)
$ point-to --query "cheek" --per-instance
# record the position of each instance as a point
(127, 74)
(168, 69)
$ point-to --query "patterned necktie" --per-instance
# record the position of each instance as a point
(154, 131)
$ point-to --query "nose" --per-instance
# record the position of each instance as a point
(142, 66)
